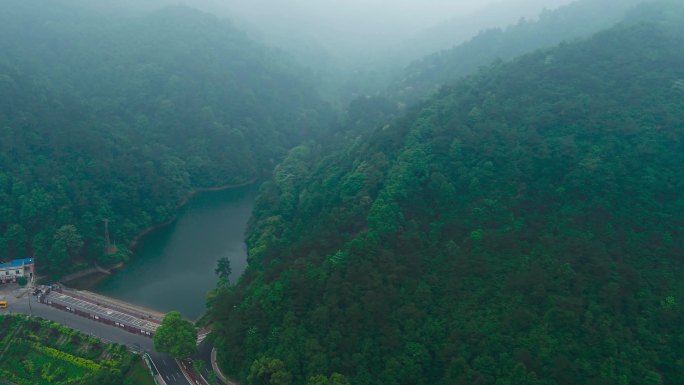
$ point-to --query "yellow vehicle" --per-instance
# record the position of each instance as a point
(3, 304)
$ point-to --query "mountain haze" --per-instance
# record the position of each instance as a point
(566, 23)
(507, 210)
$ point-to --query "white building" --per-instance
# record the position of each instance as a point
(10, 271)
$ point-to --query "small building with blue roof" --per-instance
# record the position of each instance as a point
(12, 270)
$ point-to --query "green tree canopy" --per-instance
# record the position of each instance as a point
(536, 241)
(223, 269)
(334, 379)
(269, 371)
(130, 118)
(176, 337)
(69, 236)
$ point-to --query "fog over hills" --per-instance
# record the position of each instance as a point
(353, 47)
(446, 192)
(357, 32)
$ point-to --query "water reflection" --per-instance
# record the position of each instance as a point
(173, 268)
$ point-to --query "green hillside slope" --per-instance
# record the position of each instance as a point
(524, 226)
(120, 117)
(579, 19)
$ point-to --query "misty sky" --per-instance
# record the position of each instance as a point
(368, 25)
(413, 13)
(384, 17)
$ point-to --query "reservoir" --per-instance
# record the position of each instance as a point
(173, 267)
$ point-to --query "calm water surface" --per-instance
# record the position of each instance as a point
(173, 268)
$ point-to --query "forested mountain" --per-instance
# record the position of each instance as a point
(578, 19)
(457, 30)
(119, 117)
(523, 226)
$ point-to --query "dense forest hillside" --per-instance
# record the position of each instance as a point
(104, 116)
(524, 226)
(578, 19)
(459, 29)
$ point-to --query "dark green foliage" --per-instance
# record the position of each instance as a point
(335, 379)
(223, 269)
(176, 336)
(269, 371)
(522, 227)
(576, 20)
(35, 351)
(119, 118)
(104, 377)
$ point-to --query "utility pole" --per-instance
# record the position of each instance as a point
(107, 240)
(30, 284)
